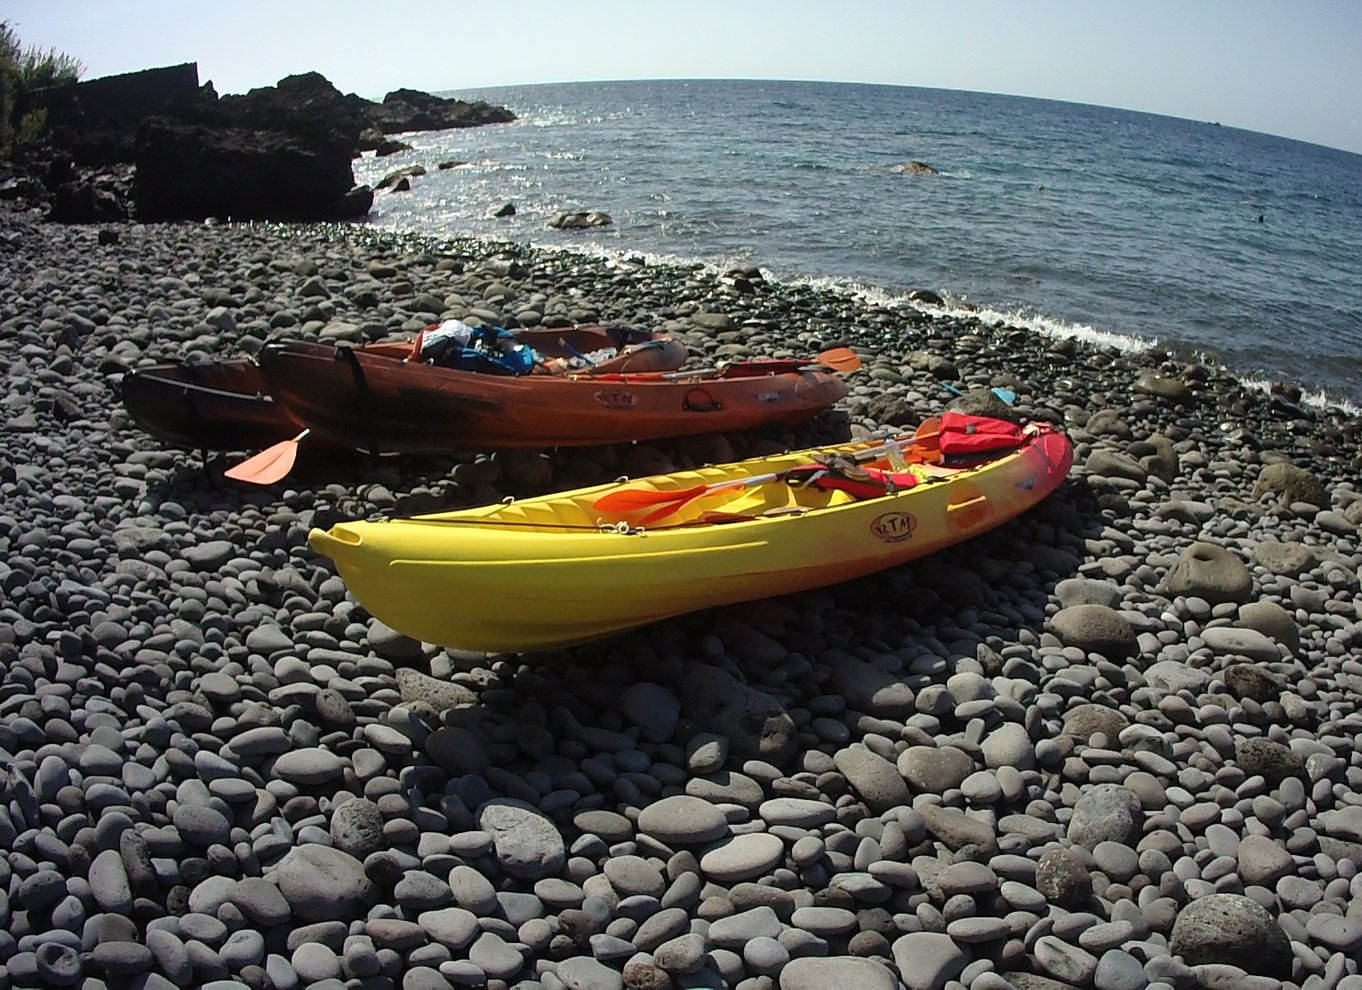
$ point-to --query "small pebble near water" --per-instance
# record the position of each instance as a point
(1112, 744)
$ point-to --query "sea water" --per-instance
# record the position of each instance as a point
(1210, 241)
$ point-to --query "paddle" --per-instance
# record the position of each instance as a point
(664, 504)
(270, 465)
(835, 358)
(839, 359)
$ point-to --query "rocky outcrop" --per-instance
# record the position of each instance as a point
(97, 121)
(92, 196)
(277, 153)
(581, 220)
(280, 152)
(410, 110)
(310, 105)
(304, 106)
(915, 168)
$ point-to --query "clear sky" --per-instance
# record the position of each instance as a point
(1286, 67)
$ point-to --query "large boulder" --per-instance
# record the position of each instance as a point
(581, 220)
(1106, 813)
(1233, 929)
(1290, 484)
(1206, 570)
(1096, 629)
(754, 722)
(94, 122)
(323, 884)
(192, 172)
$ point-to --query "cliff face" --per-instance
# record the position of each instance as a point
(95, 122)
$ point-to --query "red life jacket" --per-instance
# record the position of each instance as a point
(964, 437)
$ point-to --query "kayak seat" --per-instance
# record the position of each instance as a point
(418, 343)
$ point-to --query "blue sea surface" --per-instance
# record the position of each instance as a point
(1073, 219)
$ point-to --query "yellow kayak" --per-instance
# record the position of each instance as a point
(562, 569)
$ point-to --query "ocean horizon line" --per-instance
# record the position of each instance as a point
(455, 92)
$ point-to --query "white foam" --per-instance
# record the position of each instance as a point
(1313, 398)
(1050, 326)
(623, 256)
(1053, 327)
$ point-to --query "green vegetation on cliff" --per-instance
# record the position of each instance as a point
(23, 70)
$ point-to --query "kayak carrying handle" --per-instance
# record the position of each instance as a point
(969, 512)
(706, 404)
(971, 503)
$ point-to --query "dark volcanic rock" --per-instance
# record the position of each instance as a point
(95, 195)
(279, 154)
(578, 221)
(1228, 928)
(191, 173)
(410, 110)
(305, 106)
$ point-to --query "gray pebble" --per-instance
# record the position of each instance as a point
(683, 820)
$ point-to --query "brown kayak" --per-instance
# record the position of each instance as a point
(379, 404)
(227, 405)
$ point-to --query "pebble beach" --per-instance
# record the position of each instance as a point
(1112, 744)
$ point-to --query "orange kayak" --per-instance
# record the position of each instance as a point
(228, 405)
(382, 404)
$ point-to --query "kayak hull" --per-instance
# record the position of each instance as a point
(379, 404)
(210, 406)
(554, 571)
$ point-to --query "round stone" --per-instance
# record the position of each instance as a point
(742, 857)
(683, 820)
(1234, 930)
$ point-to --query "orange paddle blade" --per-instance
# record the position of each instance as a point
(839, 359)
(270, 465)
(633, 499)
(928, 433)
(665, 503)
(669, 508)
